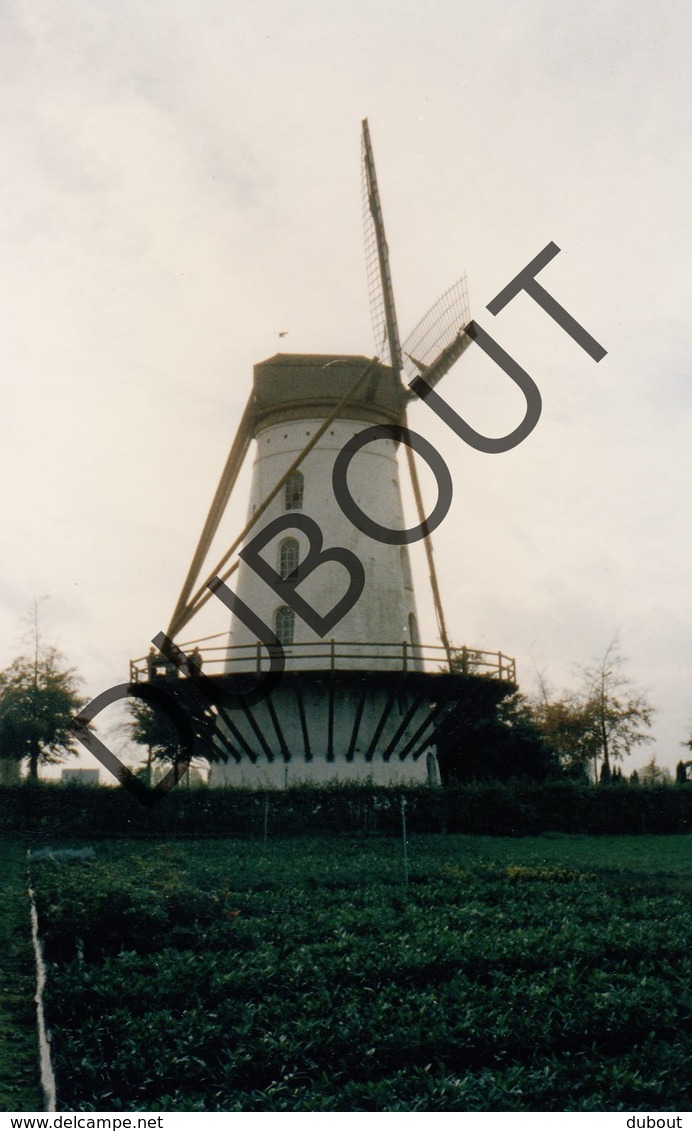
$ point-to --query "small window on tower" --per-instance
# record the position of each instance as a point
(294, 491)
(413, 629)
(285, 623)
(289, 556)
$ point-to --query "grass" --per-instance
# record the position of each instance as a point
(539, 974)
(19, 1074)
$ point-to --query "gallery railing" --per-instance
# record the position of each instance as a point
(327, 655)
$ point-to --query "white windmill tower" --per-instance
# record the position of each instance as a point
(323, 576)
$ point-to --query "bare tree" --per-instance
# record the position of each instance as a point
(617, 714)
(653, 774)
(599, 723)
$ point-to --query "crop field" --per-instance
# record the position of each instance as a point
(541, 974)
(19, 1078)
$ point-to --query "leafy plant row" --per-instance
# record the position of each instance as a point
(310, 978)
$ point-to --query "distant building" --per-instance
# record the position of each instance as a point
(79, 777)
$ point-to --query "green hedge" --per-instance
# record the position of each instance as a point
(491, 809)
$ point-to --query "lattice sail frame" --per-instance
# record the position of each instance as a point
(378, 314)
(437, 329)
(442, 324)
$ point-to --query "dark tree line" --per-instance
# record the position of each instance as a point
(581, 734)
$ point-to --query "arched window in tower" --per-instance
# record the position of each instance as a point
(413, 629)
(294, 491)
(289, 556)
(285, 620)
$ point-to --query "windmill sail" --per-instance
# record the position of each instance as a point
(439, 339)
(383, 311)
(439, 336)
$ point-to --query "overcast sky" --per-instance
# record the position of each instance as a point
(181, 182)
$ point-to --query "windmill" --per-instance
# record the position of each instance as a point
(359, 696)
